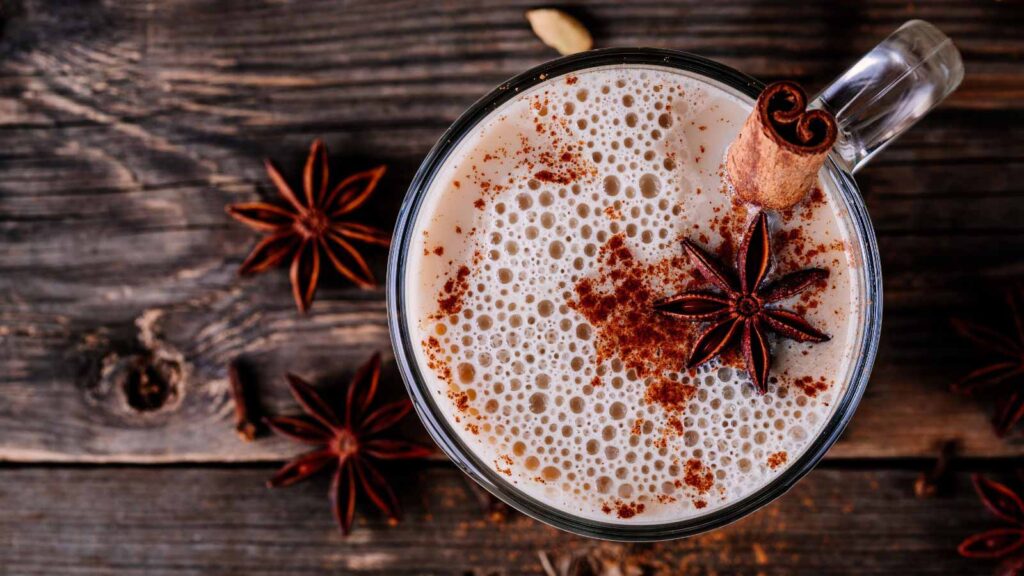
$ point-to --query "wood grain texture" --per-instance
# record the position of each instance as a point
(163, 521)
(126, 126)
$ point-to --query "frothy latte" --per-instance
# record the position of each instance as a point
(535, 258)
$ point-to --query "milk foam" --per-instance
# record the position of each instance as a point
(524, 211)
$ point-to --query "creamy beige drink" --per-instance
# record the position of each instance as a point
(535, 260)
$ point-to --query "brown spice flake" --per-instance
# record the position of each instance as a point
(623, 510)
(461, 401)
(503, 464)
(638, 427)
(698, 476)
(549, 176)
(450, 300)
(436, 359)
(777, 459)
(811, 387)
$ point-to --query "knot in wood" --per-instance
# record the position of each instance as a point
(149, 382)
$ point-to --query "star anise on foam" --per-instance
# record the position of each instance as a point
(312, 224)
(740, 312)
(1006, 372)
(349, 442)
(1006, 505)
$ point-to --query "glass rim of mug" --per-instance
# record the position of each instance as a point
(449, 439)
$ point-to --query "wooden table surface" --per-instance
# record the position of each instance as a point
(127, 126)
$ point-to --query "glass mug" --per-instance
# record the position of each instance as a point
(874, 101)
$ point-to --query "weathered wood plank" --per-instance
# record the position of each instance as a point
(126, 127)
(162, 521)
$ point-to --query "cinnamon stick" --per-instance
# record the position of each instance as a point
(775, 160)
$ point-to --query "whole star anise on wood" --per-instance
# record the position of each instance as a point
(312, 224)
(740, 313)
(1005, 375)
(350, 443)
(1006, 505)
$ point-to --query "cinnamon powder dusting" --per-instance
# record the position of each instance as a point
(670, 394)
(549, 176)
(436, 359)
(811, 387)
(638, 427)
(449, 301)
(777, 459)
(461, 400)
(698, 476)
(617, 302)
(622, 509)
(503, 464)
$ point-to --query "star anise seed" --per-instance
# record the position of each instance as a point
(739, 313)
(312, 224)
(350, 443)
(1005, 374)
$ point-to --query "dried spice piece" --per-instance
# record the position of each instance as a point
(1005, 374)
(312, 224)
(775, 159)
(350, 443)
(740, 314)
(1006, 505)
(246, 420)
(559, 30)
(930, 483)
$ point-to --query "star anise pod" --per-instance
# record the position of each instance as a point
(1005, 374)
(740, 313)
(350, 443)
(1006, 505)
(304, 227)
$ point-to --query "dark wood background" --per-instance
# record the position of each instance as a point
(125, 128)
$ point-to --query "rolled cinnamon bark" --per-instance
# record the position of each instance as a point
(775, 160)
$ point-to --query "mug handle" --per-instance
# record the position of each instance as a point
(890, 89)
